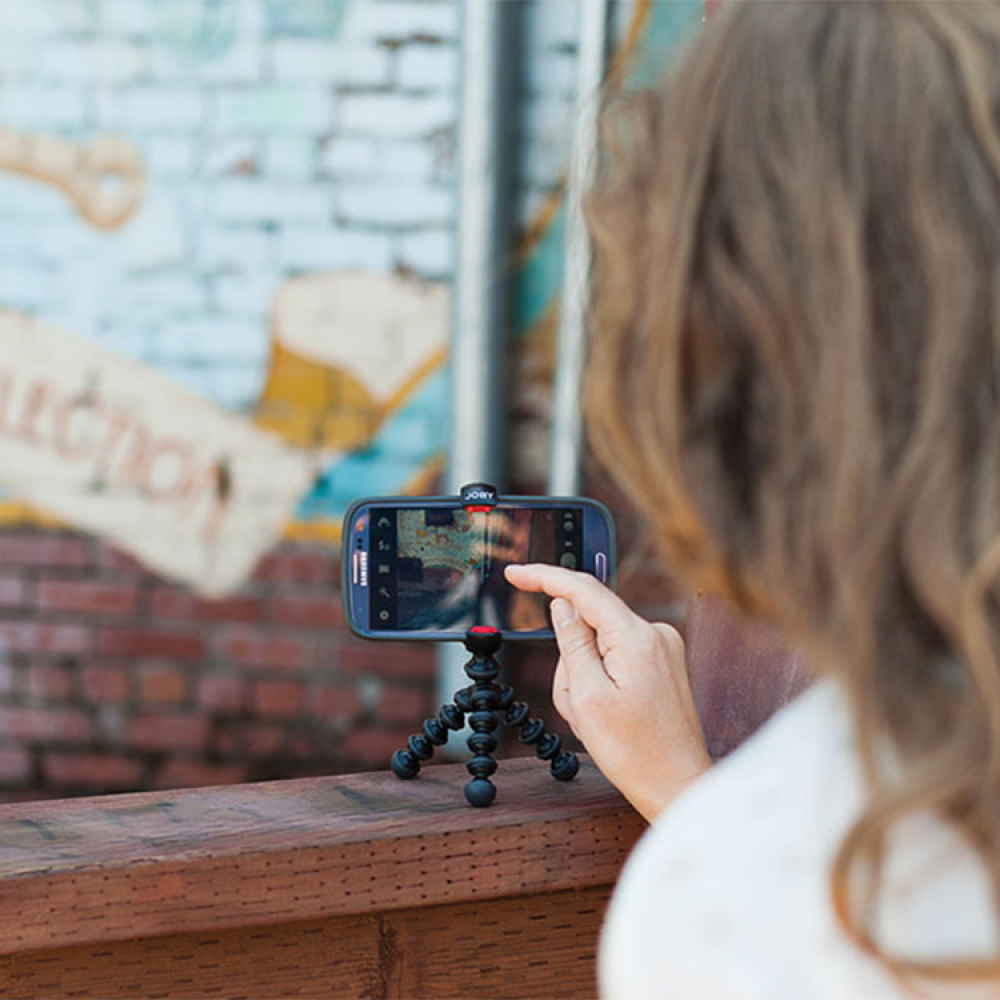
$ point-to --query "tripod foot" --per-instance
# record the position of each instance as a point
(565, 765)
(404, 764)
(480, 792)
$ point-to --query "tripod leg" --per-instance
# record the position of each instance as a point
(564, 764)
(419, 749)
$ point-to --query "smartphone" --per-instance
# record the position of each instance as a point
(432, 567)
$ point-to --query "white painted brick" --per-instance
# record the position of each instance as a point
(107, 62)
(239, 248)
(148, 109)
(24, 200)
(394, 204)
(543, 164)
(547, 118)
(291, 157)
(161, 294)
(330, 62)
(230, 156)
(551, 23)
(25, 286)
(280, 108)
(170, 156)
(347, 157)
(216, 339)
(415, 161)
(243, 62)
(396, 115)
(427, 67)
(127, 18)
(38, 19)
(251, 200)
(156, 238)
(305, 249)
(42, 107)
(398, 21)
(237, 387)
(551, 72)
(124, 338)
(431, 253)
(248, 296)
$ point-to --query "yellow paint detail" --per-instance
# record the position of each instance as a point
(312, 405)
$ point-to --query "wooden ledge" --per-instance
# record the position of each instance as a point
(123, 867)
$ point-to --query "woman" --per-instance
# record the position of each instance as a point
(796, 374)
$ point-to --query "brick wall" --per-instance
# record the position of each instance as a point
(112, 679)
(279, 138)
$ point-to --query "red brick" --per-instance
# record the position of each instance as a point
(112, 560)
(49, 725)
(413, 661)
(187, 646)
(32, 637)
(50, 682)
(260, 740)
(14, 591)
(8, 678)
(277, 698)
(170, 602)
(335, 701)
(42, 549)
(250, 648)
(87, 597)
(316, 565)
(89, 770)
(162, 683)
(372, 748)
(15, 765)
(308, 611)
(191, 773)
(400, 704)
(168, 732)
(220, 692)
(105, 684)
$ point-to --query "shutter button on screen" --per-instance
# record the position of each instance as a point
(568, 560)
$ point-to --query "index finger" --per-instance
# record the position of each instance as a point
(599, 607)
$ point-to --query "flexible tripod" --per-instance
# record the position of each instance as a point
(483, 701)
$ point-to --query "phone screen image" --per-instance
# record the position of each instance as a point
(442, 569)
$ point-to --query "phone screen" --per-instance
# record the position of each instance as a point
(441, 568)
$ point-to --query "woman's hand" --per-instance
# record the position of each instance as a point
(622, 685)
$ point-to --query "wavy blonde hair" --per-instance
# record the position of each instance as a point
(795, 372)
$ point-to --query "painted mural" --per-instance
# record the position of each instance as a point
(227, 233)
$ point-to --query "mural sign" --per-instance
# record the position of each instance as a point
(116, 449)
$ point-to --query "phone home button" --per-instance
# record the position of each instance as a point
(568, 560)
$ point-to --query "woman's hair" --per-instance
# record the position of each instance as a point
(795, 373)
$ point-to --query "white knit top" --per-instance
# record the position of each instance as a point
(727, 896)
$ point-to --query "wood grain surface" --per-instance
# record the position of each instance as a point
(358, 885)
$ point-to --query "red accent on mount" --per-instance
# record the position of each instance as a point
(483, 630)
(478, 509)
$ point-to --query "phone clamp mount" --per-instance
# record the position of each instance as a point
(487, 705)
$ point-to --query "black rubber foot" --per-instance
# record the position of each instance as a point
(404, 764)
(565, 766)
(480, 792)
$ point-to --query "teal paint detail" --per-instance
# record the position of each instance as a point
(670, 25)
(539, 281)
(200, 32)
(411, 438)
(308, 18)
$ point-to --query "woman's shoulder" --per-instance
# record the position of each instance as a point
(727, 895)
